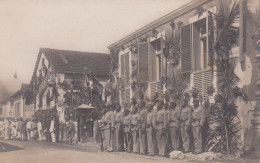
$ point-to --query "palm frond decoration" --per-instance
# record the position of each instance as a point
(223, 115)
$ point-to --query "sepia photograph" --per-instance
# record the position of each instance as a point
(121, 81)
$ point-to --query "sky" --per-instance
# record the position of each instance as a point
(81, 25)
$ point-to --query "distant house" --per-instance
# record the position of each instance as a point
(15, 106)
(55, 67)
(141, 55)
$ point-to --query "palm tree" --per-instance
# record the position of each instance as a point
(223, 118)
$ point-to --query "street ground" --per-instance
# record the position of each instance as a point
(13, 151)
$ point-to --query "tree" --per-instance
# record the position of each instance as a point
(223, 116)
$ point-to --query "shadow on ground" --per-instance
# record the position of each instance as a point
(8, 148)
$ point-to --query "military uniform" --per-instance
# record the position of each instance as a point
(127, 133)
(174, 124)
(150, 132)
(161, 131)
(119, 131)
(109, 122)
(186, 116)
(198, 119)
(135, 132)
(142, 131)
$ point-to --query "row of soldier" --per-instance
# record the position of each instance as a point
(153, 129)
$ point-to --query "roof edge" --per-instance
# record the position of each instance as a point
(167, 18)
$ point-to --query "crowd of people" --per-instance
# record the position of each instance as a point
(153, 128)
(32, 130)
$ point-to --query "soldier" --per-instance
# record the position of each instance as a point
(174, 124)
(161, 128)
(113, 131)
(102, 130)
(119, 130)
(150, 129)
(186, 116)
(128, 139)
(142, 128)
(108, 122)
(198, 119)
(135, 130)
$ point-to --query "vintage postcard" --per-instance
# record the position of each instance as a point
(129, 81)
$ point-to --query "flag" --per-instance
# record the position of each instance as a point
(15, 75)
(96, 85)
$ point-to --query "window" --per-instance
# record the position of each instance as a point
(156, 51)
(125, 78)
(200, 45)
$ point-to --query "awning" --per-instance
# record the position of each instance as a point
(85, 107)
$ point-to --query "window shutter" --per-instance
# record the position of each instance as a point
(143, 62)
(202, 80)
(122, 61)
(127, 70)
(210, 40)
(186, 48)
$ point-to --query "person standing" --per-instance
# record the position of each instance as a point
(52, 130)
(28, 129)
(20, 128)
(23, 129)
(70, 131)
(135, 130)
(13, 128)
(119, 130)
(39, 129)
(33, 130)
(186, 117)
(109, 129)
(128, 139)
(161, 127)
(174, 124)
(198, 119)
(6, 129)
(142, 128)
(150, 130)
(113, 130)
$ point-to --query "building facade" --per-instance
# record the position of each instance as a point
(15, 106)
(142, 55)
(56, 70)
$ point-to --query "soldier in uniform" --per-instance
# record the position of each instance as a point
(108, 120)
(150, 129)
(135, 130)
(174, 124)
(142, 128)
(113, 130)
(128, 140)
(186, 117)
(198, 119)
(119, 130)
(161, 128)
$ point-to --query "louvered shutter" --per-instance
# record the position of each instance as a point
(127, 70)
(210, 40)
(186, 48)
(143, 63)
(122, 67)
(202, 80)
(122, 61)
